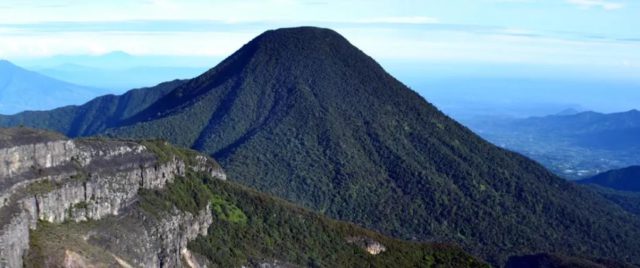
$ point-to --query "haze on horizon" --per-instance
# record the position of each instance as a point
(505, 53)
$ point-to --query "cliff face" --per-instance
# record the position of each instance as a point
(49, 178)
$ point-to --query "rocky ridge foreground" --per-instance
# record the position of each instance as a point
(47, 178)
(117, 203)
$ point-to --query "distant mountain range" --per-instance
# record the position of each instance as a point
(625, 179)
(621, 186)
(573, 145)
(589, 129)
(302, 114)
(514, 91)
(119, 71)
(119, 80)
(94, 116)
(22, 90)
(119, 60)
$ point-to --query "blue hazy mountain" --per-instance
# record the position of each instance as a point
(615, 131)
(569, 111)
(466, 90)
(120, 80)
(620, 186)
(21, 90)
(574, 145)
(624, 179)
(120, 71)
(119, 60)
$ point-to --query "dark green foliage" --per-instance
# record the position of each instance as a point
(81, 205)
(302, 114)
(560, 261)
(226, 211)
(253, 227)
(187, 194)
(166, 152)
(94, 116)
(629, 201)
(625, 179)
(42, 187)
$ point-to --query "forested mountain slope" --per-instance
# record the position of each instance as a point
(303, 114)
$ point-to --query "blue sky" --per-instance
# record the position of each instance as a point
(421, 42)
(559, 32)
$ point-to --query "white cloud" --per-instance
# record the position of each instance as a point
(606, 5)
(401, 20)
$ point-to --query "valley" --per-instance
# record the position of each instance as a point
(574, 146)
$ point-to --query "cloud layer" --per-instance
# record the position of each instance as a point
(606, 5)
(560, 32)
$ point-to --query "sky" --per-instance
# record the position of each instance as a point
(575, 32)
(591, 39)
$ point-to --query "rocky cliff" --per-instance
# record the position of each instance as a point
(46, 178)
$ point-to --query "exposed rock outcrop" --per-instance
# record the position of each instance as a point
(144, 241)
(369, 245)
(47, 177)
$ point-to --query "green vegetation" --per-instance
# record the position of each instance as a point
(166, 152)
(81, 205)
(625, 179)
(42, 187)
(81, 176)
(185, 194)
(629, 201)
(554, 260)
(304, 115)
(94, 116)
(226, 211)
(253, 227)
(49, 243)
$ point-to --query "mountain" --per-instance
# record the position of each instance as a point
(512, 90)
(116, 203)
(94, 116)
(302, 114)
(559, 261)
(629, 201)
(574, 146)
(22, 90)
(625, 179)
(119, 79)
(590, 129)
(620, 186)
(118, 70)
(568, 111)
(117, 60)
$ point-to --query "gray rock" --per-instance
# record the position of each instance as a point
(58, 180)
